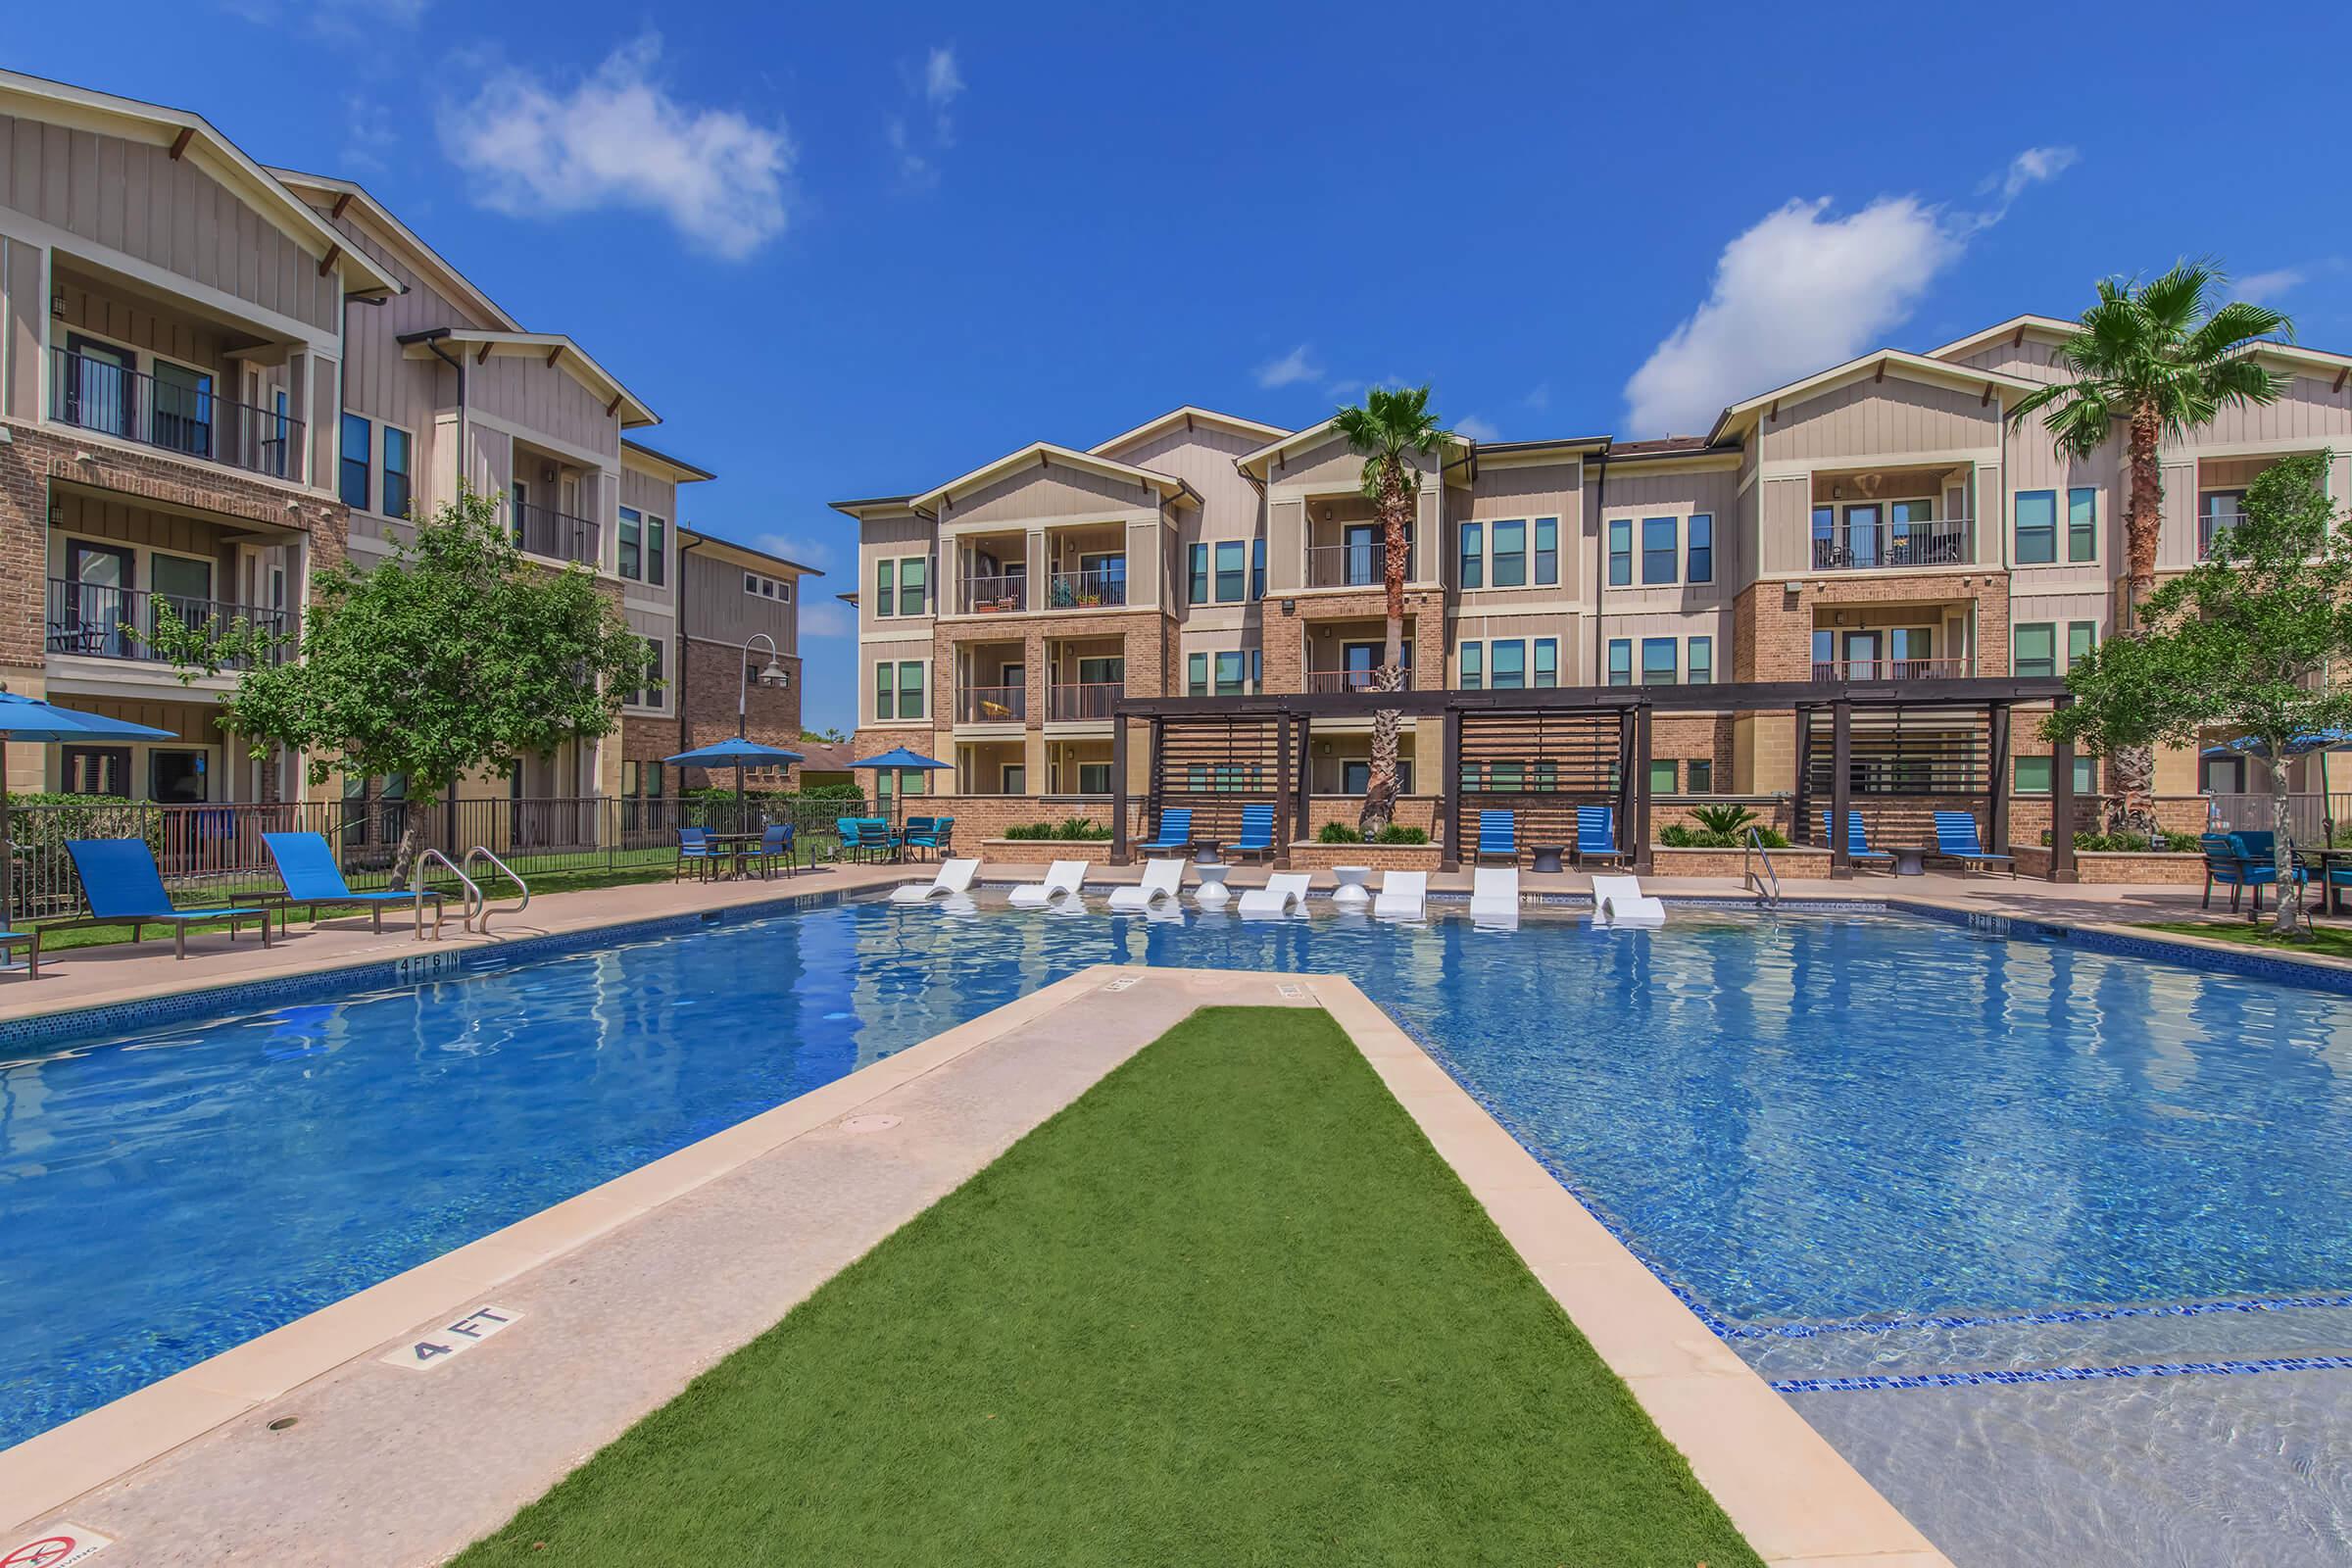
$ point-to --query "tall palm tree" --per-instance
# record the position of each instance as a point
(2163, 358)
(1392, 430)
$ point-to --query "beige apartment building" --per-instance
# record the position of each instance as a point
(217, 377)
(1879, 522)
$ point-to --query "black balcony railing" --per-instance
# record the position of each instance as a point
(1352, 565)
(1890, 668)
(2211, 525)
(102, 622)
(1320, 682)
(1078, 702)
(183, 417)
(991, 705)
(557, 535)
(1863, 547)
(1088, 590)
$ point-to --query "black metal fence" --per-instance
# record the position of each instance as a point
(216, 852)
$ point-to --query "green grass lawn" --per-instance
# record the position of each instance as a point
(1228, 1307)
(2324, 941)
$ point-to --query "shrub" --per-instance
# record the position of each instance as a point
(1727, 821)
(1338, 833)
(1069, 828)
(1398, 833)
(2166, 843)
(1682, 836)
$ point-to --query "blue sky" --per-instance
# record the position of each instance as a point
(849, 251)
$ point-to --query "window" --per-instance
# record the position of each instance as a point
(396, 472)
(1094, 778)
(633, 543)
(1699, 548)
(1657, 549)
(1621, 662)
(1660, 659)
(1662, 775)
(1621, 552)
(1231, 568)
(1548, 551)
(914, 580)
(1508, 657)
(358, 436)
(759, 587)
(1699, 776)
(2036, 528)
(1199, 594)
(1474, 667)
(886, 587)
(1700, 662)
(2082, 524)
(899, 690)
(656, 551)
(1355, 775)
(2081, 636)
(1511, 554)
(1229, 674)
(2034, 649)
(1547, 661)
(2032, 775)
(1257, 568)
(1195, 675)
(650, 694)
(1474, 555)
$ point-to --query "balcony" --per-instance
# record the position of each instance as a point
(1864, 547)
(2211, 525)
(991, 705)
(1098, 588)
(557, 535)
(182, 416)
(93, 621)
(1079, 704)
(1890, 669)
(1323, 682)
(997, 595)
(1354, 565)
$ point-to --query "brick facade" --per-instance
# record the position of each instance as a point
(1285, 637)
(1147, 637)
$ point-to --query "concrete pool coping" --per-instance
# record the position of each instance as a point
(180, 1471)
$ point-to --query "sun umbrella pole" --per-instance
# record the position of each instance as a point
(8, 851)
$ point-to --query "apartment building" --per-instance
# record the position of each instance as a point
(217, 377)
(1877, 521)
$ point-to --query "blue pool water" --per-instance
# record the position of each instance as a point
(1807, 1118)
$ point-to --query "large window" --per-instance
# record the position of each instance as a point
(1474, 667)
(899, 690)
(2082, 524)
(359, 438)
(1621, 662)
(1195, 675)
(650, 694)
(1232, 580)
(632, 542)
(1197, 591)
(1257, 568)
(656, 551)
(2033, 775)
(2081, 636)
(396, 471)
(2034, 649)
(1547, 661)
(1658, 538)
(1511, 554)
(1662, 775)
(1660, 660)
(886, 587)
(1355, 775)
(1701, 779)
(2036, 528)
(1699, 548)
(1698, 661)
(1474, 555)
(1232, 680)
(1548, 551)
(1509, 658)
(914, 582)
(1621, 552)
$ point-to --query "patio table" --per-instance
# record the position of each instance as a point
(1910, 860)
(1211, 893)
(1204, 851)
(2332, 900)
(1351, 891)
(1548, 855)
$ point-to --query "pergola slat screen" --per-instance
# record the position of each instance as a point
(1540, 765)
(1903, 763)
(1216, 766)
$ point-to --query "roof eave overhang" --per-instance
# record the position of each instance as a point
(555, 347)
(1045, 454)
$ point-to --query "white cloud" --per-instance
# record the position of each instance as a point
(1476, 428)
(941, 81)
(344, 20)
(369, 136)
(2034, 167)
(933, 89)
(1538, 397)
(826, 617)
(617, 138)
(2260, 288)
(1293, 368)
(809, 552)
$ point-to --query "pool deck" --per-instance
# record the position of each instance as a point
(303, 1447)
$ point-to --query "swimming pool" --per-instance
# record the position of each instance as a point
(1810, 1124)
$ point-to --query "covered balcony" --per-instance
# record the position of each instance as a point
(1876, 643)
(546, 503)
(1875, 520)
(992, 767)
(991, 574)
(1346, 547)
(1343, 656)
(116, 573)
(2222, 485)
(1086, 568)
(1084, 677)
(992, 686)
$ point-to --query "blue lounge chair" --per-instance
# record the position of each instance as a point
(1497, 834)
(694, 848)
(1857, 846)
(2252, 859)
(306, 868)
(775, 844)
(1175, 830)
(1956, 840)
(1257, 832)
(1597, 834)
(121, 885)
(30, 941)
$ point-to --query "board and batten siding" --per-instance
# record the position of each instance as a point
(1052, 493)
(22, 268)
(527, 391)
(136, 200)
(715, 608)
(1880, 420)
(380, 383)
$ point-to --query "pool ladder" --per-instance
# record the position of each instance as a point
(477, 912)
(473, 894)
(484, 911)
(1766, 883)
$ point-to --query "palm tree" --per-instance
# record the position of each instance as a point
(1391, 430)
(2163, 358)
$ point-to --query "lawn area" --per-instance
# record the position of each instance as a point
(2325, 940)
(1228, 1307)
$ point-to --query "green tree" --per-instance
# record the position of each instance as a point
(452, 657)
(2162, 358)
(1392, 431)
(2246, 642)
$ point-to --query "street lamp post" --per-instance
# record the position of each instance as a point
(772, 675)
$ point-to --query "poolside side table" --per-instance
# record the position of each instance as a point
(1910, 860)
(1204, 851)
(1211, 892)
(1548, 855)
(1351, 891)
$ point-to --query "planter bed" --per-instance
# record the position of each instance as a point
(1308, 854)
(1794, 864)
(2165, 867)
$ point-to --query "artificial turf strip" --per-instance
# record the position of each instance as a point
(2326, 941)
(1227, 1307)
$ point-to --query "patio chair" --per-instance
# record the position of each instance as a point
(1497, 834)
(934, 833)
(1956, 840)
(1161, 880)
(2256, 851)
(121, 885)
(1282, 890)
(1596, 835)
(1065, 879)
(1175, 830)
(1857, 844)
(306, 866)
(953, 877)
(775, 844)
(30, 941)
(1495, 895)
(1403, 896)
(869, 836)
(1618, 900)
(694, 848)
(1257, 832)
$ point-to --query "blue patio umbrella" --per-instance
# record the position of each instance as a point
(899, 759)
(25, 719)
(739, 753)
(2322, 741)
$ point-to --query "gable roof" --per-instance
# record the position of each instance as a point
(1045, 454)
(746, 555)
(1258, 463)
(1188, 415)
(555, 347)
(436, 266)
(1742, 415)
(2017, 327)
(858, 507)
(674, 469)
(190, 135)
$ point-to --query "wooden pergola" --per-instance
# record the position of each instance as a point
(1556, 748)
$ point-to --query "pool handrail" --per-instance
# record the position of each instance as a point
(473, 892)
(482, 927)
(1752, 880)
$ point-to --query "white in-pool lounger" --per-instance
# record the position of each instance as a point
(954, 876)
(1063, 880)
(1403, 896)
(1161, 879)
(1495, 894)
(1282, 890)
(1619, 900)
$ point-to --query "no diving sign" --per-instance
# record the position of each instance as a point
(424, 1352)
(66, 1544)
